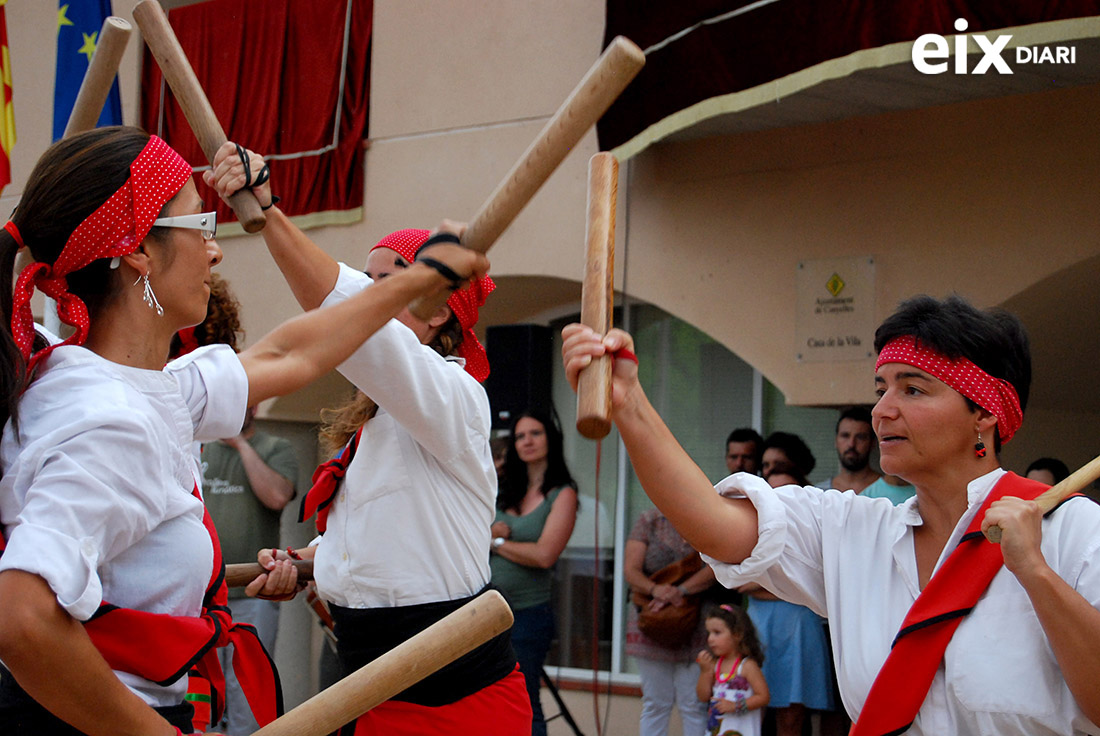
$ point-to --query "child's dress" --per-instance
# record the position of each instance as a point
(733, 687)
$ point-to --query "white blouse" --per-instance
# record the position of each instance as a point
(96, 494)
(852, 560)
(411, 521)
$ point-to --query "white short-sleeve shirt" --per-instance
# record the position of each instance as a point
(852, 560)
(411, 521)
(97, 489)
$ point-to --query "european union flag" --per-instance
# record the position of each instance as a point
(78, 24)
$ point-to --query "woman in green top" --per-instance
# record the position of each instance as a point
(536, 509)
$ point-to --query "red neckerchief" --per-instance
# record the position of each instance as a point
(163, 648)
(326, 481)
(902, 684)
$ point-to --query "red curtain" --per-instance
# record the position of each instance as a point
(281, 83)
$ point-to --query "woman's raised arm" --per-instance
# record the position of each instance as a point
(725, 529)
(307, 347)
(309, 271)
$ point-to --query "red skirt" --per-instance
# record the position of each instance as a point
(501, 709)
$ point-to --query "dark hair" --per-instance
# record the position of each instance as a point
(513, 484)
(1056, 467)
(741, 625)
(992, 339)
(787, 468)
(855, 413)
(70, 181)
(795, 450)
(746, 434)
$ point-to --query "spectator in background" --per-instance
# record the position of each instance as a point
(854, 441)
(536, 511)
(783, 449)
(222, 325)
(247, 480)
(499, 447)
(797, 667)
(1047, 470)
(892, 487)
(743, 448)
(669, 674)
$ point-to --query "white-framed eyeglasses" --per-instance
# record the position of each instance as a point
(204, 222)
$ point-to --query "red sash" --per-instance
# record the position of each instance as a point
(902, 684)
(163, 648)
(326, 481)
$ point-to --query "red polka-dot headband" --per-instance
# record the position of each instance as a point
(115, 229)
(465, 303)
(995, 395)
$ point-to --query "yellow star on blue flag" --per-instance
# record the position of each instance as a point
(78, 24)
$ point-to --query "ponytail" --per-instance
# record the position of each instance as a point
(11, 360)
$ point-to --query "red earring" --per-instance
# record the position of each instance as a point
(979, 447)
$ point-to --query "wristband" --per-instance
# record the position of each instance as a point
(293, 553)
(444, 270)
(274, 201)
(624, 354)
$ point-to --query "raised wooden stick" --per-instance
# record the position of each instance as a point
(241, 574)
(109, 47)
(1074, 483)
(162, 41)
(597, 296)
(407, 664)
(608, 77)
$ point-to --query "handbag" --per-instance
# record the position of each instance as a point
(671, 626)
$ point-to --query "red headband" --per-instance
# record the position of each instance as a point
(995, 395)
(116, 228)
(465, 302)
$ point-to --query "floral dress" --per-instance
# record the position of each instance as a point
(734, 687)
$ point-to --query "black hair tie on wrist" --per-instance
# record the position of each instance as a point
(263, 176)
(439, 238)
(243, 154)
(274, 201)
(444, 270)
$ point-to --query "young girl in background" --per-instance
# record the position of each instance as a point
(730, 676)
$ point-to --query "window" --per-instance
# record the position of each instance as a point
(703, 391)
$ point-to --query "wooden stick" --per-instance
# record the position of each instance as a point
(408, 663)
(162, 41)
(109, 48)
(597, 296)
(1057, 493)
(241, 574)
(600, 86)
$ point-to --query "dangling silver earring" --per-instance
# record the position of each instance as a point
(148, 296)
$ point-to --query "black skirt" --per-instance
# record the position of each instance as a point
(365, 634)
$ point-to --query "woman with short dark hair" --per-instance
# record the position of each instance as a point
(934, 630)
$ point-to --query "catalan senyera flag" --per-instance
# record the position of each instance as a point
(78, 26)
(7, 115)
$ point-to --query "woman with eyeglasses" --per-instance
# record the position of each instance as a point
(110, 581)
